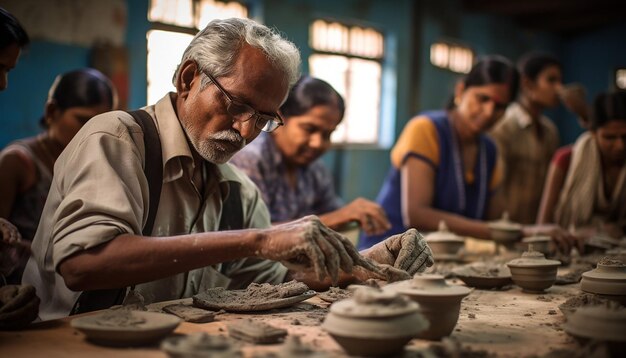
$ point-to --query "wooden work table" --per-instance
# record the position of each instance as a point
(506, 322)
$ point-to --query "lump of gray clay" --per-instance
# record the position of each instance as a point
(255, 332)
(190, 313)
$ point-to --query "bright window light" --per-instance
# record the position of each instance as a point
(166, 46)
(620, 78)
(455, 58)
(349, 58)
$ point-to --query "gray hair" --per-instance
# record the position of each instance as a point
(215, 49)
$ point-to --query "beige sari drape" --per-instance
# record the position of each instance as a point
(582, 201)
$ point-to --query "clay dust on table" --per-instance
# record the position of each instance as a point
(585, 299)
(334, 294)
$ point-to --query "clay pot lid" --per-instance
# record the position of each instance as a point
(608, 269)
(505, 224)
(603, 322)
(536, 239)
(370, 302)
(533, 259)
(443, 235)
(431, 285)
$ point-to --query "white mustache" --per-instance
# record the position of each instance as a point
(229, 135)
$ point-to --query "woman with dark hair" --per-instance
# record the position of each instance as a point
(13, 39)
(590, 196)
(285, 166)
(526, 138)
(444, 167)
(27, 164)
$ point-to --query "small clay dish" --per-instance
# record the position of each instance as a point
(608, 278)
(444, 244)
(533, 272)
(374, 323)
(484, 277)
(538, 243)
(200, 344)
(505, 231)
(605, 323)
(122, 328)
(439, 302)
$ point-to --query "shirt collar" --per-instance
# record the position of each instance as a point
(176, 151)
(521, 116)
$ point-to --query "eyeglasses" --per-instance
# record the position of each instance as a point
(267, 122)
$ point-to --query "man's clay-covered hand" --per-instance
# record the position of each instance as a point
(307, 243)
(407, 251)
(19, 305)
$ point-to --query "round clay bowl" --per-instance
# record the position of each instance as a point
(605, 280)
(605, 323)
(532, 272)
(374, 323)
(439, 302)
(447, 251)
(479, 277)
(444, 244)
(505, 231)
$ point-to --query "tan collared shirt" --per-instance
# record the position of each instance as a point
(99, 191)
(526, 157)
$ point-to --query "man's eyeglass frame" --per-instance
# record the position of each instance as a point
(267, 122)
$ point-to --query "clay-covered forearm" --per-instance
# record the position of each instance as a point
(334, 219)
(132, 259)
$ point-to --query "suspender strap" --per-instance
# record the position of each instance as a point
(153, 166)
(153, 169)
(232, 211)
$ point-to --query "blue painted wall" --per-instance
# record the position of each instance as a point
(22, 103)
(411, 84)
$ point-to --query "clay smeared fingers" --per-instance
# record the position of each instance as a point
(24, 294)
(10, 234)
(422, 262)
(408, 252)
(316, 256)
(372, 267)
(21, 316)
(394, 274)
(342, 245)
(7, 293)
(331, 258)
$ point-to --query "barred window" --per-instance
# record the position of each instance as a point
(350, 59)
(174, 23)
(453, 57)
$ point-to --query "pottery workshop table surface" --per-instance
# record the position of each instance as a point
(507, 323)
